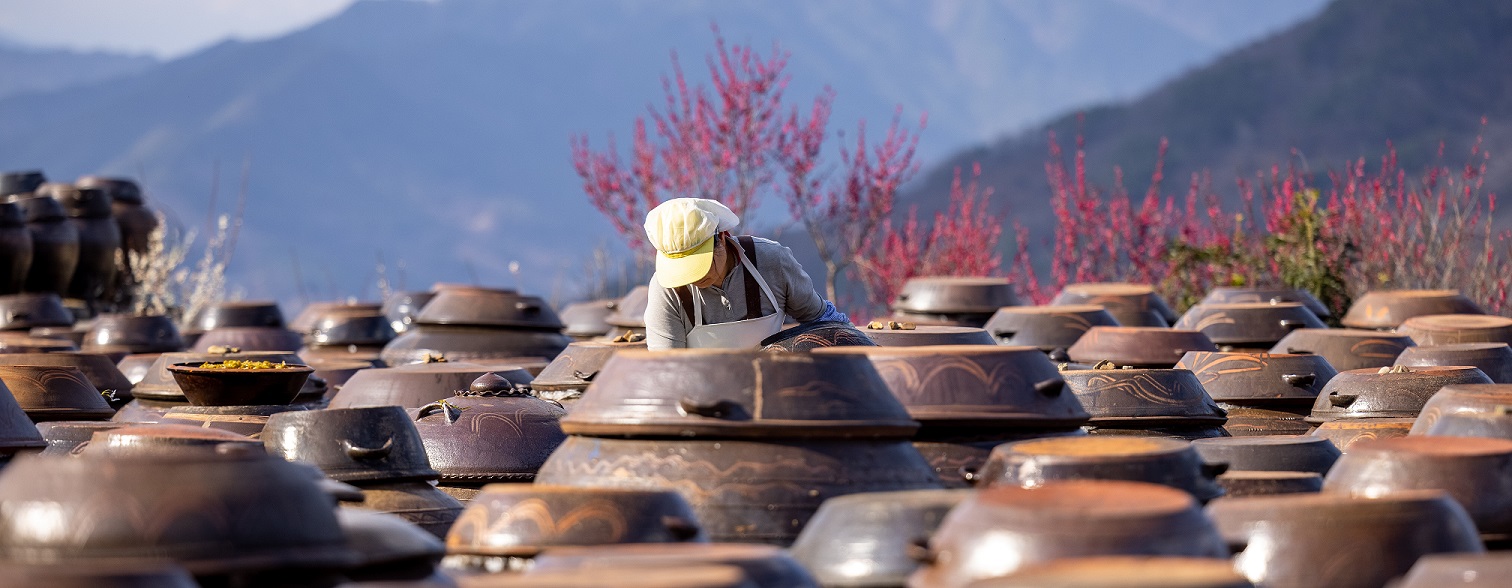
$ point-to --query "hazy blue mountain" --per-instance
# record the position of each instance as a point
(436, 132)
(26, 69)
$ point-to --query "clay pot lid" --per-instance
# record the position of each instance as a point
(579, 364)
(80, 202)
(683, 576)
(773, 561)
(17, 343)
(1345, 334)
(590, 318)
(1437, 447)
(1459, 569)
(1247, 475)
(1054, 309)
(98, 574)
(119, 189)
(1490, 393)
(248, 339)
(1388, 309)
(41, 208)
(1144, 396)
(11, 214)
(1306, 508)
(97, 367)
(884, 334)
(349, 328)
(1256, 378)
(1388, 392)
(1075, 449)
(1087, 499)
(1402, 423)
(1138, 346)
(417, 384)
(501, 519)
(232, 386)
(161, 440)
(944, 294)
(1109, 289)
(1242, 323)
(22, 312)
(1456, 322)
(54, 393)
(382, 538)
(488, 308)
(1123, 572)
(244, 313)
(1240, 294)
(351, 444)
(973, 385)
(495, 431)
(314, 311)
(739, 394)
(630, 310)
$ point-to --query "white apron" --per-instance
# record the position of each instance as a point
(743, 334)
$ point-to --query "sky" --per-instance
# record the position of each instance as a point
(161, 28)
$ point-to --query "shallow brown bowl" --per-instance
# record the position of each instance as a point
(239, 387)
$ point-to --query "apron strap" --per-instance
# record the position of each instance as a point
(685, 299)
(752, 289)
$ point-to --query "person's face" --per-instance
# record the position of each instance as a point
(717, 267)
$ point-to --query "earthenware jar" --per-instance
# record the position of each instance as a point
(136, 333)
(65, 438)
(21, 182)
(1449, 569)
(998, 531)
(317, 312)
(1123, 572)
(131, 213)
(1393, 392)
(93, 575)
(766, 566)
(1132, 305)
(54, 393)
(1271, 453)
(1243, 483)
(1052, 329)
(390, 551)
(160, 440)
(474, 344)
(416, 501)
(1146, 347)
(728, 394)
(957, 459)
(1388, 309)
(1260, 379)
(1248, 325)
(681, 576)
(89, 209)
(1346, 349)
(1168, 462)
(630, 311)
(336, 372)
(15, 248)
(13, 342)
(1444, 329)
(567, 376)
(352, 445)
(896, 334)
(24, 312)
(483, 307)
(400, 308)
(506, 524)
(494, 431)
(1143, 397)
(97, 368)
(1493, 359)
(17, 433)
(1231, 295)
(1337, 540)
(866, 539)
(55, 245)
(242, 420)
(416, 385)
(963, 301)
(1467, 411)
(248, 339)
(1477, 472)
(1344, 433)
(586, 320)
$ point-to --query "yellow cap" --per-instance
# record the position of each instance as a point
(682, 230)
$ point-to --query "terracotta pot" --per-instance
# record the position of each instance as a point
(135, 219)
(1167, 462)
(1493, 359)
(1467, 411)
(1251, 421)
(55, 245)
(1048, 328)
(160, 440)
(1477, 472)
(1147, 397)
(388, 548)
(21, 182)
(576, 367)
(94, 575)
(1398, 392)
(1475, 570)
(159, 384)
(1346, 349)
(586, 320)
(1239, 484)
(54, 393)
(492, 432)
(1336, 540)
(945, 319)
(1388, 309)
(998, 531)
(1344, 433)
(11, 342)
(1149, 347)
(416, 385)
(248, 339)
(351, 444)
(240, 314)
(221, 386)
(17, 432)
(23, 312)
(139, 334)
(1232, 295)
(1259, 379)
(145, 411)
(1182, 432)
(1132, 305)
(747, 491)
(866, 539)
(682, 576)
(89, 209)
(369, 354)
(973, 386)
(336, 372)
(135, 366)
(630, 310)
(520, 520)
(15, 248)
(1248, 324)
(400, 308)
(315, 312)
(66, 438)
(955, 295)
(928, 335)
(350, 328)
(1123, 572)
(957, 460)
(471, 344)
(1444, 329)
(97, 368)
(73, 334)
(264, 514)
(1283, 453)
(766, 566)
(481, 307)
(242, 420)
(738, 394)
(418, 502)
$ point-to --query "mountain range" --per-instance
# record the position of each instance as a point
(435, 133)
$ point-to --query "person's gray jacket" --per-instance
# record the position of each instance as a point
(667, 327)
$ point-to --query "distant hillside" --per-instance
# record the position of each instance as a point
(436, 132)
(24, 69)
(1335, 87)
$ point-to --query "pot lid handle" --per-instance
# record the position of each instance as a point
(1292, 325)
(969, 474)
(919, 551)
(718, 409)
(1299, 380)
(1050, 387)
(451, 411)
(379, 452)
(1342, 400)
(682, 529)
(1213, 470)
